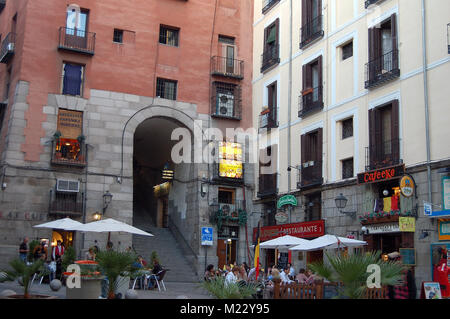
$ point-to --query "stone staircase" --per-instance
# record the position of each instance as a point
(169, 252)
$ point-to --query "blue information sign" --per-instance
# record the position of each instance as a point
(207, 236)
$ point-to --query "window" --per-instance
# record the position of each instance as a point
(271, 46)
(312, 94)
(166, 89)
(72, 83)
(311, 22)
(227, 100)
(77, 27)
(269, 114)
(347, 168)
(118, 36)
(347, 50)
(168, 35)
(311, 158)
(384, 142)
(227, 51)
(347, 128)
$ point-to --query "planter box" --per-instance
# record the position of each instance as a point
(380, 220)
(91, 288)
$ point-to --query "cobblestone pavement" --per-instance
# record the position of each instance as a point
(175, 290)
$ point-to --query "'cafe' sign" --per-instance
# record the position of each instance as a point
(381, 174)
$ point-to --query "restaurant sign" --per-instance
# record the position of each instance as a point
(383, 228)
(287, 200)
(302, 230)
(381, 175)
(230, 160)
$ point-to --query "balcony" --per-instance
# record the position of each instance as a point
(267, 4)
(226, 67)
(69, 153)
(310, 101)
(65, 204)
(76, 41)
(383, 154)
(2, 5)
(370, 2)
(267, 185)
(311, 31)
(268, 119)
(310, 174)
(382, 69)
(270, 57)
(226, 101)
(8, 47)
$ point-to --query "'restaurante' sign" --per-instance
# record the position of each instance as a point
(303, 230)
(380, 175)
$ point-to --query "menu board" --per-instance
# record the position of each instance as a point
(230, 160)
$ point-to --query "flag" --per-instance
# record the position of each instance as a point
(256, 252)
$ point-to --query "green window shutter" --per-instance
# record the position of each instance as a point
(272, 35)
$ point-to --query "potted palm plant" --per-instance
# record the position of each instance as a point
(218, 289)
(25, 271)
(117, 267)
(351, 272)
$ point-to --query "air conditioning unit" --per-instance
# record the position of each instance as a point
(67, 186)
(225, 104)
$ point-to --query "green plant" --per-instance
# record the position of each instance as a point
(33, 244)
(114, 264)
(154, 256)
(68, 257)
(24, 271)
(351, 271)
(217, 288)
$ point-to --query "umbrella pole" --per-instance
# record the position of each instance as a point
(109, 238)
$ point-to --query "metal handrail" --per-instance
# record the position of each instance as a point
(227, 67)
(76, 40)
(310, 100)
(311, 30)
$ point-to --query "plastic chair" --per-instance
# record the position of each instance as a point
(160, 275)
(141, 282)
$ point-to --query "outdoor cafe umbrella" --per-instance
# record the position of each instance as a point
(63, 223)
(329, 242)
(110, 225)
(284, 242)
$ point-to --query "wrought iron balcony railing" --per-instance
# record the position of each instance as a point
(69, 153)
(270, 57)
(382, 69)
(268, 119)
(311, 31)
(8, 48)
(368, 3)
(267, 185)
(66, 204)
(310, 101)
(383, 154)
(223, 66)
(310, 174)
(76, 40)
(267, 4)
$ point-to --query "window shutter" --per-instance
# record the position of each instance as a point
(304, 67)
(371, 136)
(319, 145)
(277, 31)
(303, 149)
(320, 80)
(395, 134)
(394, 42)
(304, 12)
(319, 9)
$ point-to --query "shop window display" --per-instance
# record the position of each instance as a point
(68, 150)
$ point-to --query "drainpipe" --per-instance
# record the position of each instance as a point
(425, 89)
(289, 105)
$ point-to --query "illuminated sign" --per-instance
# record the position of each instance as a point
(381, 175)
(230, 160)
(70, 123)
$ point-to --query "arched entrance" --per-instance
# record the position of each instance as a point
(151, 157)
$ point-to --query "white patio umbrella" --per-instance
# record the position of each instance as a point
(63, 223)
(329, 242)
(109, 225)
(284, 242)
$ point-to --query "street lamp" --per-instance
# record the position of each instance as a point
(341, 202)
(107, 197)
(97, 216)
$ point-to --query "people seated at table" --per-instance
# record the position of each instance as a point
(301, 278)
(291, 271)
(232, 276)
(252, 274)
(310, 276)
(210, 273)
(90, 254)
(242, 273)
(156, 269)
(284, 275)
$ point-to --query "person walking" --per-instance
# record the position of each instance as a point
(23, 250)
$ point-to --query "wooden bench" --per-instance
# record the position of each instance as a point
(297, 291)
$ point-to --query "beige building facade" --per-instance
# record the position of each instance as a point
(354, 95)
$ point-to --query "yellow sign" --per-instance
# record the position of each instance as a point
(407, 224)
(407, 186)
(70, 123)
(230, 160)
